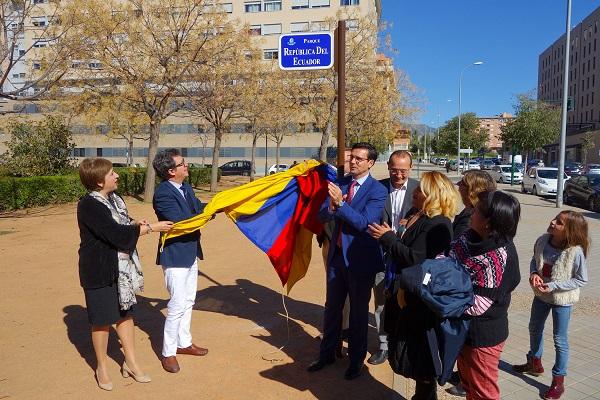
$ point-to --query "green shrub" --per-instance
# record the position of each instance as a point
(17, 193)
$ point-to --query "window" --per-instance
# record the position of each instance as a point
(349, 2)
(254, 30)
(95, 65)
(298, 4)
(252, 7)
(352, 24)
(39, 1)
(319, 3)
(38, 65)
(299, 27)
(272, 5)
(227, 7)
(317, 26)
(271, 29)
(270, 54)
(19, 75)
(39, 22)
(40, 43)
(21, 53)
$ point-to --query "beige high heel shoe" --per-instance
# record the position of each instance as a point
(128, 372)
(106, 386)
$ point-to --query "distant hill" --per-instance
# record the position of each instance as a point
(420, 128)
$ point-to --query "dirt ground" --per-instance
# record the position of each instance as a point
(45, 341)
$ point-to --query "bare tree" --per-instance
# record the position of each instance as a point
(35, 47)
(146, 52)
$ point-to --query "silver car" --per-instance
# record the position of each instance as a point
(503, 173)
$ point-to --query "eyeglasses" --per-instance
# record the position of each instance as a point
(397, 171)
(358, 160)
(180, 164)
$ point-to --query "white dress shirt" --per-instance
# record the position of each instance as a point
(397, 200)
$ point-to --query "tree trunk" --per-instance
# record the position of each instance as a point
(326, 133)
(214, 173)
(152, 149)
(130, 152)
(277, 146)
(253, 156)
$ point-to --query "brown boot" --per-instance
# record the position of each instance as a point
(532, 367)
(557, 388)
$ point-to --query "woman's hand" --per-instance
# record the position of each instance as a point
(161, 226)
(377, 231)
(400, 298)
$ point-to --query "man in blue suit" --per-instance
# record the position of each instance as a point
(174, 200)
(354, 257)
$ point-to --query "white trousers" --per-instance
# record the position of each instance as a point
(182, 284)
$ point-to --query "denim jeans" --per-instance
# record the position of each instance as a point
(560, 327)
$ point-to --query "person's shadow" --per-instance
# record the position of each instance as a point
(264, 307)
(78, 332)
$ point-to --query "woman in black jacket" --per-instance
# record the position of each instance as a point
(488, 254)
(428, 232)
(109, 268)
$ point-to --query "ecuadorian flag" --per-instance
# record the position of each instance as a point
(278, 213)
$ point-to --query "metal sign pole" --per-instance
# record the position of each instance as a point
(563, 128)
(341, 95)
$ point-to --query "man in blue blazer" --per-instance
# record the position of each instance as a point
(354, 257)
(174, 200)
(399, 201)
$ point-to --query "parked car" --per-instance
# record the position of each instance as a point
(534, 162)
(571, 168)
(583, 190)
(541, 181)
(592, 169)
(442, 161)
(237, 167)
(473, 164)
(502, 174)
(487, 164)
(278, 168)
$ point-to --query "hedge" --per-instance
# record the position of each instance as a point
(18, 193)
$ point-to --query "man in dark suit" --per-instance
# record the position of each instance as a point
(174, 200)
(399, 200)
(354, 257)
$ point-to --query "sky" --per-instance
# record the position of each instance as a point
(435, 39)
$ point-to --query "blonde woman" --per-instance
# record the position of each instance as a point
(427, 233)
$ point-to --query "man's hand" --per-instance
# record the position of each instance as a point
(377, 231)
(335, 194)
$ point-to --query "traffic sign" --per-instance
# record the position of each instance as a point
(305, 51)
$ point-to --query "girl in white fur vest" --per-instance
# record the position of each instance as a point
(558, 269)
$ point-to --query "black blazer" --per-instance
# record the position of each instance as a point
(426, 238)
(407, 328)
(406, 204)
(101, 239)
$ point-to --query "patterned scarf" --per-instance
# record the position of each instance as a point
(131, 278)
(486, 269)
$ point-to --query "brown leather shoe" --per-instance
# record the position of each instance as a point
(170, 364)
(193, 350)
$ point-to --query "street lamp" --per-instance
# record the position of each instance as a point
(459, 111)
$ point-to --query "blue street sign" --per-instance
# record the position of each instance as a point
(312, 50)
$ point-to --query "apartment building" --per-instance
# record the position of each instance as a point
(583, 85)
(266, 19)
(494, 125)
